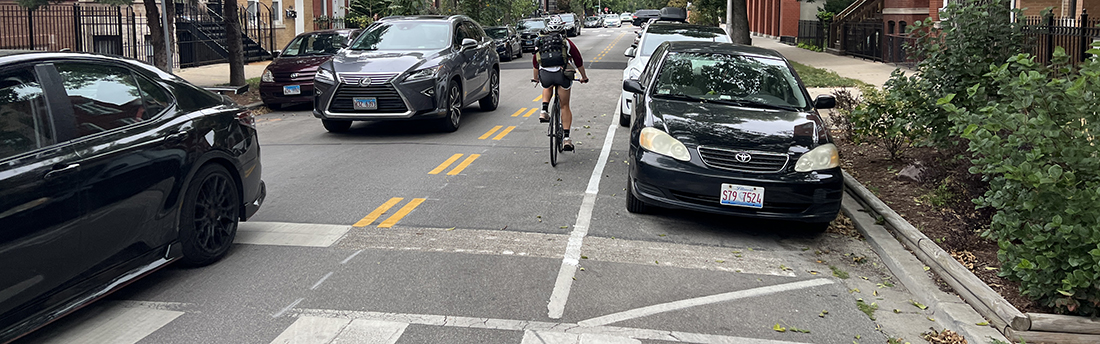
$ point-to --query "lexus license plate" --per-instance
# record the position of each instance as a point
(292, 90)
(366, 103)
(742, 196)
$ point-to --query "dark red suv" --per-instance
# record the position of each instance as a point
(289, 78)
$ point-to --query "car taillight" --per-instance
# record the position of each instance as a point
(246, 118)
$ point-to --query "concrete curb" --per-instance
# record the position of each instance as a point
(950, 311)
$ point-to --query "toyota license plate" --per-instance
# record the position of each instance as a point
(366, 103)
(292, 90)
(742, 196)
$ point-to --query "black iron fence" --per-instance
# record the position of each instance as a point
(1075, 35)
(812, 32)
(103, 29)
(326, 23)
(863, 39)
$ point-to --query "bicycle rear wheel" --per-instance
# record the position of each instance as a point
(556, 133)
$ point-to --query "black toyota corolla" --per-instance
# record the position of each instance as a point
(730, 129)
(109, 170)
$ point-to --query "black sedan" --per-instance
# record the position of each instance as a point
(109, 170)
(730, 129)
(409, 68)
(507, 40)
(529, 30)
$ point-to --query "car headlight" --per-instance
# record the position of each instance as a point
(422, 74)
(633, 73)
(267, 76)
(325, 76)
(823, 157)
(660, 142)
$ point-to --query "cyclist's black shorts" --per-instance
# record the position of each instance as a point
(550, 79)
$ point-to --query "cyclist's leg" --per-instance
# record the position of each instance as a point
(566, 113)
(547, 80)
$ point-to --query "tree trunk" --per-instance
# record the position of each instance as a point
(156, 33)
(233, 42)
(741, 22)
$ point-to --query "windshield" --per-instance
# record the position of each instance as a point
(592, 19)
(497, 33)
(567, 17)
(729, 78)
(651, 39)
(315, 44)
(405, 35)
(531, 24)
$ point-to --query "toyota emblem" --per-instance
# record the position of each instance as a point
(365, 82)
(743, 157)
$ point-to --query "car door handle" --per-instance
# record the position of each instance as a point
(58, 171)
(175, 138)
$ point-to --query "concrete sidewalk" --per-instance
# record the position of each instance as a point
(218, 74)
(875, 73)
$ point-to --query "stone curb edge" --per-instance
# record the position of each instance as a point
(950, 311)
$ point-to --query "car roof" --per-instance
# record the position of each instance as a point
(18, 56)
(673, 27)
(328, 31)
(721, 48)
(425, 18)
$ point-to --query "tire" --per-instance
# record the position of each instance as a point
(454, 108)
(633, 204)
(624, 120)
(209, 216)
(273, 107)
(490, 101)
(508, 56)
(336, 126)
(519, 54)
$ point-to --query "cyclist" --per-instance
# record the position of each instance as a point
(551, 62)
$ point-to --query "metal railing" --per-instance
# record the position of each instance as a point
(813, 32)
(1075, 35)
(863, 39)
(96, 28)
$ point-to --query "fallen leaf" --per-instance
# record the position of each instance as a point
(990, 268)
(984, 323)
(931, 319)
(778, 328)
(918, 305)
(853, 290)
(897, 311)
(656, 262)
(584, 257)
(822, 314)
(451, 229)
(564, 227)
(927, 268)
(661, 235)
(719, 261)
(582, 269)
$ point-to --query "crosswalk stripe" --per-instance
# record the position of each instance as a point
(108, 323)
(408, 208)
(445, 164)
(470, 159)
(504, 133)
(489, 133)
(289, 234)
(549, 337)
(367, 220)
(363, 331)
(320, 330)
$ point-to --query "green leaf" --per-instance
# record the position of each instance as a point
(984, 323)
(1055, 171)
(778, 328)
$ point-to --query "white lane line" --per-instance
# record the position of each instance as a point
(107, 323)
(541, 337)
(700, 301)
(309, 330)
(289, 234)
(538, 326)
(348, 259)
(568, 269)
(322, 280)
(363, 331)
(287, 308)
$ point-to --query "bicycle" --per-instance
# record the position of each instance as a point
(555, 130)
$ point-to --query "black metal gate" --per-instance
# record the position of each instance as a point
(102, 29)
(201, 32)
(864, 39)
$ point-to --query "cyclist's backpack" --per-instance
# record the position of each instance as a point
(553, 50)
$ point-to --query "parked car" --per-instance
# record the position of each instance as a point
(593, 21)
(626, 17)
(572, 24)
(643, 16)
(409, 68)
(507, 41)
(648, 41)
(610, 20)
(289, 78)
(730, 129)
(528, 31)
(109, 170)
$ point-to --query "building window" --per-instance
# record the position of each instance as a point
(277, 11)
(890, 27)
(901, 27)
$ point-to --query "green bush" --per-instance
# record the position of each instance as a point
(886, 117)
(809, 46)
(1034, 141)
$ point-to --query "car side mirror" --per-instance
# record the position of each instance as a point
(633, 86)
(629, 52)
(468, 43)
(825, 101)
(276, 53)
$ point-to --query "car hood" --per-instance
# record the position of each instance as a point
(374, 61)
(708, 124)
(637, 62)
(530, 32)
(298, 63)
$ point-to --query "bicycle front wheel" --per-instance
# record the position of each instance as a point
(556, 131)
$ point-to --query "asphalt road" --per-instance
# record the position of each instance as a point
(371, 236)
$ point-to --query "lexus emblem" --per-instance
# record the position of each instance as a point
(293, 75)
(743, 157)
(365, 82)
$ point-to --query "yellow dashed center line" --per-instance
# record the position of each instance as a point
(529, 113)
(490, 132)
(458, 169)
(408, 208)
(537, 99)
(503, 133)
(521, 110)
(445, 164)
(366, 221)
